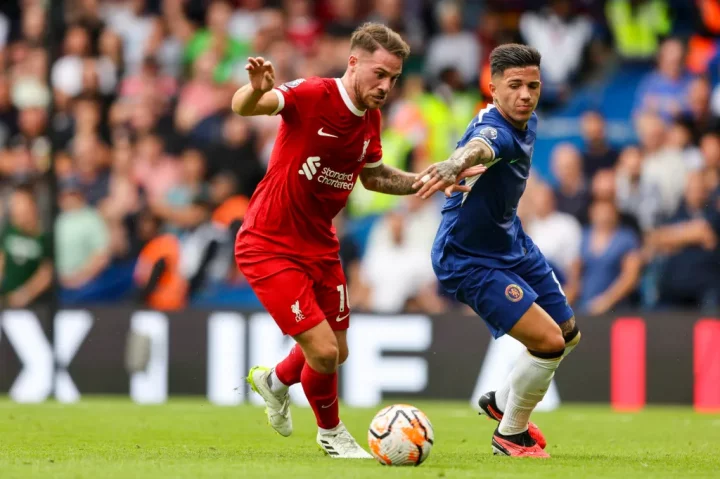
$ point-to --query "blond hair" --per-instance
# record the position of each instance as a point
(371, 36)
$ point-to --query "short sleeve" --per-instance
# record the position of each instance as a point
(630, 241)
(498, 139)
(293, 96)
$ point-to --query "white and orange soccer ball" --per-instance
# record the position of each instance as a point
(400, 435)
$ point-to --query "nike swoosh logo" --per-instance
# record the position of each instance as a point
(334, 401)
(515, 160)
(338, 319)
(322, 133)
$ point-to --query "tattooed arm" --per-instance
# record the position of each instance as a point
(469, 160)
(388, 180)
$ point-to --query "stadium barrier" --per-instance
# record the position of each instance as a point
(671, 358)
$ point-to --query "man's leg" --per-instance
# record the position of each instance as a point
(571, 335)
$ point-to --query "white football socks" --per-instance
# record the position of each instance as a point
(276, 386)
(501, 395)
(529, 381)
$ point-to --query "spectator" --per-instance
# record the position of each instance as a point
(608, 269)
(663, 167)
(635, 197)
(699, 116)
(562, 39)
(637, 27)
(452, 47)
(604, 188)
(571, 193)
(403, 239)
(557, 234)
(25, 254)
(598, 153)
(664, 91)
(82, 239)
(690, 273)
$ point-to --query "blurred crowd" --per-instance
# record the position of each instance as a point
(125, 176)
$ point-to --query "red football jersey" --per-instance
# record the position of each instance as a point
(323, 143)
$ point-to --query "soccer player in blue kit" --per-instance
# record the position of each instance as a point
(482, 256)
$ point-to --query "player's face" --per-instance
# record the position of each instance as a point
(516, 93)
(374, 76)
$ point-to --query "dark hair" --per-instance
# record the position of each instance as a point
(371, 36)
(513, 55)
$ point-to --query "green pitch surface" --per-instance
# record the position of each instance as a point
(113, 438)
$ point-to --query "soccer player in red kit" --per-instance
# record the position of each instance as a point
(287, 247)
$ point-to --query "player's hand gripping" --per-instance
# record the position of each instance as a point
(261, 73)
(444, 176)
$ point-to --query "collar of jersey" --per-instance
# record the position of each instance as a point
(346, 99)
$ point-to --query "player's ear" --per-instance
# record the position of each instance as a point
(493, 88)
(352, 61)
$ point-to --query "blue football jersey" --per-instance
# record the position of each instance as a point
(481, 227)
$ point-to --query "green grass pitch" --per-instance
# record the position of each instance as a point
(188, 438)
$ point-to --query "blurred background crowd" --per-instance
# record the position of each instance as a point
(124, 175)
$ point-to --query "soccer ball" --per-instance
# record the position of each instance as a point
(400, 435)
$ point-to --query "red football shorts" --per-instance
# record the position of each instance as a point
(298, 293)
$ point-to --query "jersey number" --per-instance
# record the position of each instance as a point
(342, 289)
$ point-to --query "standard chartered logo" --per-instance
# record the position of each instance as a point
(310, 167)
(330, 177)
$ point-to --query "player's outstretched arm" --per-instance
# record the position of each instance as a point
(388, 180)
(469, 160)
(256, 97)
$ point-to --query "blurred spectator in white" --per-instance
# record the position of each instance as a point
(452, 47)
(557, 234)
(25, 253)
(562, 39)
(68, 72)
(598, 153)
(245, 20)
(663, 166)
(608, 269)
(664, 91)
(396, 268)
(690, 272)
(680, 139)
(635, 197)
(130, 20)
(82, 239)
(571, 192)
(637, 26)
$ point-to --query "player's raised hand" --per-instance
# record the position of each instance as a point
(444, 176)
(261, 73)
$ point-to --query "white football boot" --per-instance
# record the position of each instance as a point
(338, 443)
(277, 404)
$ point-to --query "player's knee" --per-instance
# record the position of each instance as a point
(549, 345)
(324, 358)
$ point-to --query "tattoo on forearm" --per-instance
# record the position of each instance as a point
(388, 180)
(472, 154)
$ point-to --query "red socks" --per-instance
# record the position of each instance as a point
(288, 370)
(321, 391)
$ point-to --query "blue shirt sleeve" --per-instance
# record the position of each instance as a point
(629, 241)
(498, 139)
